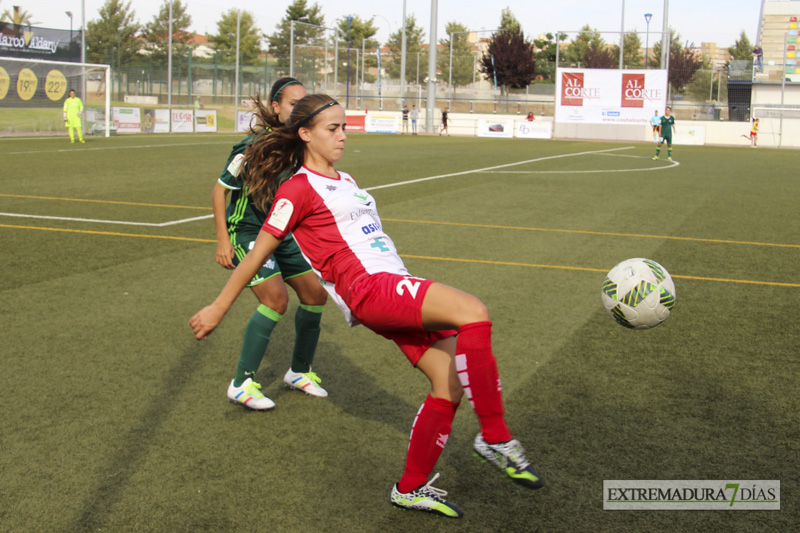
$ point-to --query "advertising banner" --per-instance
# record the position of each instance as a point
(205, 120)
(30, 42)
(533, 130)
(688, 133)
(243, 121)
(355, 123)
(380, 124)
(126, 119)
(496, 127)
(182, 120)
(155, 120)
(602, 96)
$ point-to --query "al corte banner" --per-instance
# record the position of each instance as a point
(604, 96)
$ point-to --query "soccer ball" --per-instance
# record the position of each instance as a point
(638, 293)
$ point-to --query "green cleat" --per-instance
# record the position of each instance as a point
(426, 498)
(655, 158)
(669, 159)
(510, 458)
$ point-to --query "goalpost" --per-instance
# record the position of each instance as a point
(32, 94)
(777, 123)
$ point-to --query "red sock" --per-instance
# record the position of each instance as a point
(428, 436)
(477, 370)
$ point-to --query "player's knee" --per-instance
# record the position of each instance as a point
(475, 311)
(314, 295)
(277, 301)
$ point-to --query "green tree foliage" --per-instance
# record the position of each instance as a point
(299, 11)
(546, 55)
(589, 50)
(508, 22)
(250, 36)
(361, 38)
(113, 36)
(511, 57)
(742, 48)
(631, 54)
(683, 62)
(416, 55)
(156, 32)
(463, 56)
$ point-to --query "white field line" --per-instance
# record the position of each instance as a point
(79, 150)
(181, 221)
(479, 170)
(671, 164)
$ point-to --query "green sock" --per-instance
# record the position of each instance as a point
(306, 325)
(256, 340)
(669, 152)
(658, 151)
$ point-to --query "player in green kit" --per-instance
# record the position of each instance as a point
(237, 228)
(73, 109)
(666, 127)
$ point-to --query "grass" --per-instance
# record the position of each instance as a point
(115, 418)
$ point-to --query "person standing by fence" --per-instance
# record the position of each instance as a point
(414, 114)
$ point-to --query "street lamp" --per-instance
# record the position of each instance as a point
(347, 98)
(647, 17)
(69, 14)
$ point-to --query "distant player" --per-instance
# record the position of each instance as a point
(666, 127)
(73, 111)
(655, 121)
(405, 119)
(753, 134)
(444, 122)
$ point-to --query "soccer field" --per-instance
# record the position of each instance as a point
(116, 419)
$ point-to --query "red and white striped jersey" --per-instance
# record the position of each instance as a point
(337, 227)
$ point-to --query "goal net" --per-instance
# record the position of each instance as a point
(777, 124)
(32, 95)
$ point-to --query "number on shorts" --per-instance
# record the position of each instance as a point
(412, 286)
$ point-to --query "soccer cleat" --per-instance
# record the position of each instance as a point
(669, 158)
(655, 158)
(426, 498)
(249, 395)
(307, 382)
(83, 142)
(510, 458)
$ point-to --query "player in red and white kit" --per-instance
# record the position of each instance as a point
(444, 332)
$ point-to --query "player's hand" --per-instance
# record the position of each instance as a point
(225, 254)
(205, 321)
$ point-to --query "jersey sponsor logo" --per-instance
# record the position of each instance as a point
(361, 197)
(361, 212)
(380, 245)
(281, 214)
(236, 165)
(370, 228)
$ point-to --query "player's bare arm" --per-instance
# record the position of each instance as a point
(208, 318)
(219, 200)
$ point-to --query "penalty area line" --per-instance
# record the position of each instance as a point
(101, 221)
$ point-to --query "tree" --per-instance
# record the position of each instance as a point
(589, 50)
(546, 55)
(113, 36)
(463, 57)
(416, 56)
(742, 48)
(18, 16)
(508, 22)
(156, 32)
(361, 34)
(250, 35)
(298, 11)
(683, 62)
(631, 54)
(510, 58)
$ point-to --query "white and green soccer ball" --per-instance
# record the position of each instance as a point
(638, 293)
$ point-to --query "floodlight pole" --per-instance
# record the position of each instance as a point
(236, 73)
(291, 49)
(347, 98)
(431, 69)
(403, 45)
(83, 52)
(622, 38)
(647, 17)
(169, 68)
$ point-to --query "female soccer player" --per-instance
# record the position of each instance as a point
(236, 232)
(753, 134)
(444, 332)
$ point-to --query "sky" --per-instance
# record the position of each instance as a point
(696, 20)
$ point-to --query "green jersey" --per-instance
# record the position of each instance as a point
(667, 124)
(73, 106)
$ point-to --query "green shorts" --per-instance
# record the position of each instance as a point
(286, 260)
(667, 139)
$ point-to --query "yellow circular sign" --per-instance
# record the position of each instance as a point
(26, 84)
(55, 85)
(5, 82)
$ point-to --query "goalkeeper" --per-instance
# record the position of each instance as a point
(73, 110)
